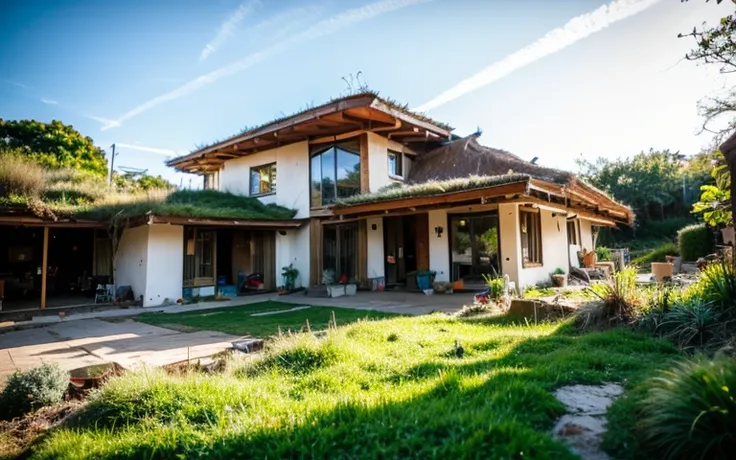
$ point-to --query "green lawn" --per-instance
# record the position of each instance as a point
(238, 320)
(392, 388)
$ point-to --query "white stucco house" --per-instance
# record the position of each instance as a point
(377, 192)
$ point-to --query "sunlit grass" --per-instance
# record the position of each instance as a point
(391, 388)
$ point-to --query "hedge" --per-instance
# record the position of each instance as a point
(695, 241)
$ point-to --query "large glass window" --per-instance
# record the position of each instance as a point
(335, 172)
(263, 179)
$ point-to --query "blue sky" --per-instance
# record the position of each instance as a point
(158, 77)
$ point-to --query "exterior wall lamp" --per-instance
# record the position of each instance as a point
(438, 230)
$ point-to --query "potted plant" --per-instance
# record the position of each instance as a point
(559, 278)
(350, 287)
(333, 290)
(425, 279)
(290, 275)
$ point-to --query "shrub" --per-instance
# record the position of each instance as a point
(689, 411)
(603, 253)
(695, 241)
(496, 287)
(717, 284)
(666, 228)
(658, 254)
(32, 389)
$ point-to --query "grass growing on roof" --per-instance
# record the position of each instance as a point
(238, 320)
(433, 187)
(27, 187)
(392, 388)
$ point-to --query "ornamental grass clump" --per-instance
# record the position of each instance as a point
(619, 302)
(690, 412)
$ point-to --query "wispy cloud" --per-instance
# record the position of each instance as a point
(143, 148)
(553, 41)
(49, 101)
(228, 27)
(106, 122)
(15, 83)
(325, 27)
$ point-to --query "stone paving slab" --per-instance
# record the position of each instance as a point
(85, 342)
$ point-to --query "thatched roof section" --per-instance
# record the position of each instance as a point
(466, 157)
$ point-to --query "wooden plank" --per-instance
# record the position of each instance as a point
(489, 192)
(255, 224)
(364, 171)
(376, 104)
(44, 266)
(315, 259)
(421, 231)
(362, 254)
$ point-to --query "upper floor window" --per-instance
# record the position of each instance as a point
(531, 237)
(395, 164)
(335, 172)
(263, 179)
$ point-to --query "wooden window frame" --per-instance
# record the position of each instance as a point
(273, 171)
(573, 238)
(530, 223)
(318, 150)
(399, 163)
(194, 241)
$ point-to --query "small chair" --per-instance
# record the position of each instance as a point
(103, 294)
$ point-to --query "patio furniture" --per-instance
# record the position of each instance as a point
(103, 294)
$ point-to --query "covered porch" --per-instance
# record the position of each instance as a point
(54, 265)
(518, 227)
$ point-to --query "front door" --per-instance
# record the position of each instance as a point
(475, 248)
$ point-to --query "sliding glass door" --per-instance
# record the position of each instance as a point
(475, 249)
(340, 251)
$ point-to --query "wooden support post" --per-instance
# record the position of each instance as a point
(44, 266)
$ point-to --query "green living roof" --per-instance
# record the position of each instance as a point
(201, 204)
(432, 187)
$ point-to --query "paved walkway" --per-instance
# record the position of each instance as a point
(407, 303)
(74, 344)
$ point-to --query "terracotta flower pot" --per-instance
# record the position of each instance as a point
(559, 280)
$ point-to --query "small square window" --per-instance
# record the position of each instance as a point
(263, 179)
(395, 164)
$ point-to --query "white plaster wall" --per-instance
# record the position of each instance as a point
(292, 176)
(378, 161)
(586, 234)
(554, 249)
(165, 264)
(131, 262)
(293, 248)
(375, 263)
(439, 253)
(510, 241)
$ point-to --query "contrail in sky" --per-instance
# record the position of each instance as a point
(553, 41)
(327, 26)
(227, 29)
(143, 148)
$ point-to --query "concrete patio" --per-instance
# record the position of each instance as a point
(75, 344)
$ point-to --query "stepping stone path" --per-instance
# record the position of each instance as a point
(584, 424)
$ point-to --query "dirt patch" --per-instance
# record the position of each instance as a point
(17, 435)
(584, 424)
(178, 327)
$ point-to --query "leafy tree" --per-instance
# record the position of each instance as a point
(650, 182)
(715, 200)
(716, 45)
(53, 145)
